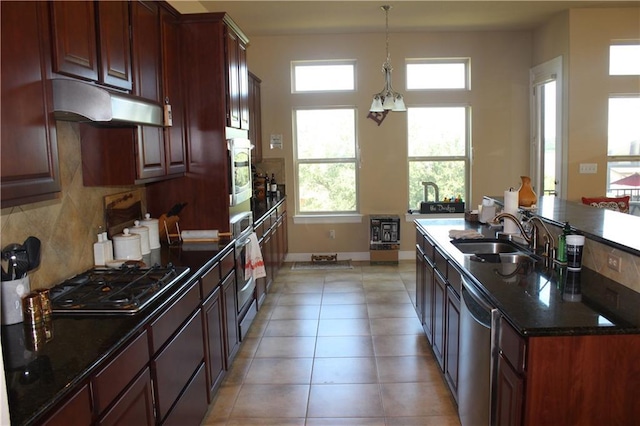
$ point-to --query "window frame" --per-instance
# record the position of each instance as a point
(347, 160)
(466, 61)
(327, 62)
(466, 158)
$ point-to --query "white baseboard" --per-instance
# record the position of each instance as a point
(362, 256)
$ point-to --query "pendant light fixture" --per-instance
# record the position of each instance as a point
(387, 99)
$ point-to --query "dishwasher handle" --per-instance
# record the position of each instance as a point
(479, 308)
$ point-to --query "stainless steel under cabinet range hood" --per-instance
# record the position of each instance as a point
(77, 101)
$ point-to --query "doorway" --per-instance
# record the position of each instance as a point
(548, 146)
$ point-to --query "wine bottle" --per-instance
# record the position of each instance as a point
(274, 185)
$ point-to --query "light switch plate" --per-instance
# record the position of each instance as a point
(588, 168)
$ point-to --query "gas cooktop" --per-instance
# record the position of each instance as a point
(126, 290)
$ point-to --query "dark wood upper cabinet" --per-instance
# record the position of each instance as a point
(115, 44)
(255, 117)
(29, 169)
(91, 41)
(172, 93)
(233, 79)
(145, 23)
(75, 39)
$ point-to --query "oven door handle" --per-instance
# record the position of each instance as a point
(248, 284)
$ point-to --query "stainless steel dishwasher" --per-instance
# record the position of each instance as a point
(479, 322)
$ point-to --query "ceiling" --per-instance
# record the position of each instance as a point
(260, 18)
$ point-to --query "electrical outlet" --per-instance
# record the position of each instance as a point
(614, 262)
(588, 168)
(332, 234)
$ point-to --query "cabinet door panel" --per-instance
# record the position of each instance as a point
(439, 304)
(231, 317)
(186, 352)
(135, 406)
(75, 412)
(214, 341)
(243, 86)
(115, 46)
(192, 405)
(510, 395)
(151, 156)
(29, 157)
(452, 340)
(114, 377)
(145, 21)
(172, 94)
(233, 79)
(75, 39)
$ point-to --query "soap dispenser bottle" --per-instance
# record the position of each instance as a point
(561, 254)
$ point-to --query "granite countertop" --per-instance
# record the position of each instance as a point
(619, 230)
(541, 301)
(39, 380)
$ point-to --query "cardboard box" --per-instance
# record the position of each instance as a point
(389, 257)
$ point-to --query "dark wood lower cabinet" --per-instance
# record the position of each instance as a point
(175, 364)
(232, 332)
(193, 403)
(135, 406)
(76, 411)
(439, 306)
(214, 342)
(452, 342)
(510, 395)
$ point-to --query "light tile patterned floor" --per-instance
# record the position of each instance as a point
(336, 348)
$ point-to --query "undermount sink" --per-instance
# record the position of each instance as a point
(486, 246)
(493, 251)
(501, 257)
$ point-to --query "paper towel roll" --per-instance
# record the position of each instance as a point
(510, 206)
(202, 235)
(511, 202)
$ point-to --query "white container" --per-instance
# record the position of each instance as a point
(98, 252)
(11, 294)
(143, 231)
(154, 231)
(108, 248)
(575, 247)
(127, 246)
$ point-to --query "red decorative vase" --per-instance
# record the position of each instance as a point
(526, 196)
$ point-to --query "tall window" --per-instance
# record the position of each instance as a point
(325, 140)
(623, 143)
(438, 151)
(326, 160)
(438, 136)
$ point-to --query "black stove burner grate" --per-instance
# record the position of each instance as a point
(125, 290)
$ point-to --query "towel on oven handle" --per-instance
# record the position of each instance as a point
(253, 263)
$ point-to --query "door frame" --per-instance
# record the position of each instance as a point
(540, 74)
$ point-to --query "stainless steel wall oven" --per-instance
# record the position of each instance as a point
(240, 187)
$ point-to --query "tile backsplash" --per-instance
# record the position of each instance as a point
(66, 226)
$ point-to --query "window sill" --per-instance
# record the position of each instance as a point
(327, 218)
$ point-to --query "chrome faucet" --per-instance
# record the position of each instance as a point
(426, 190)
(529, 238)
(532, 237)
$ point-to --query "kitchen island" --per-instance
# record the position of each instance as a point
(122, 368)
(566, 346)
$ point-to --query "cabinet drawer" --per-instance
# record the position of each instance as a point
(176, 363)
(227, 264)
(259, 230)
(192, 405)
(441, 262)
(113, 378)
(135, 406)
(454, 278)
(280, 209)
(512, 346)
(75, 411)
(210, 281)
(166, 324)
